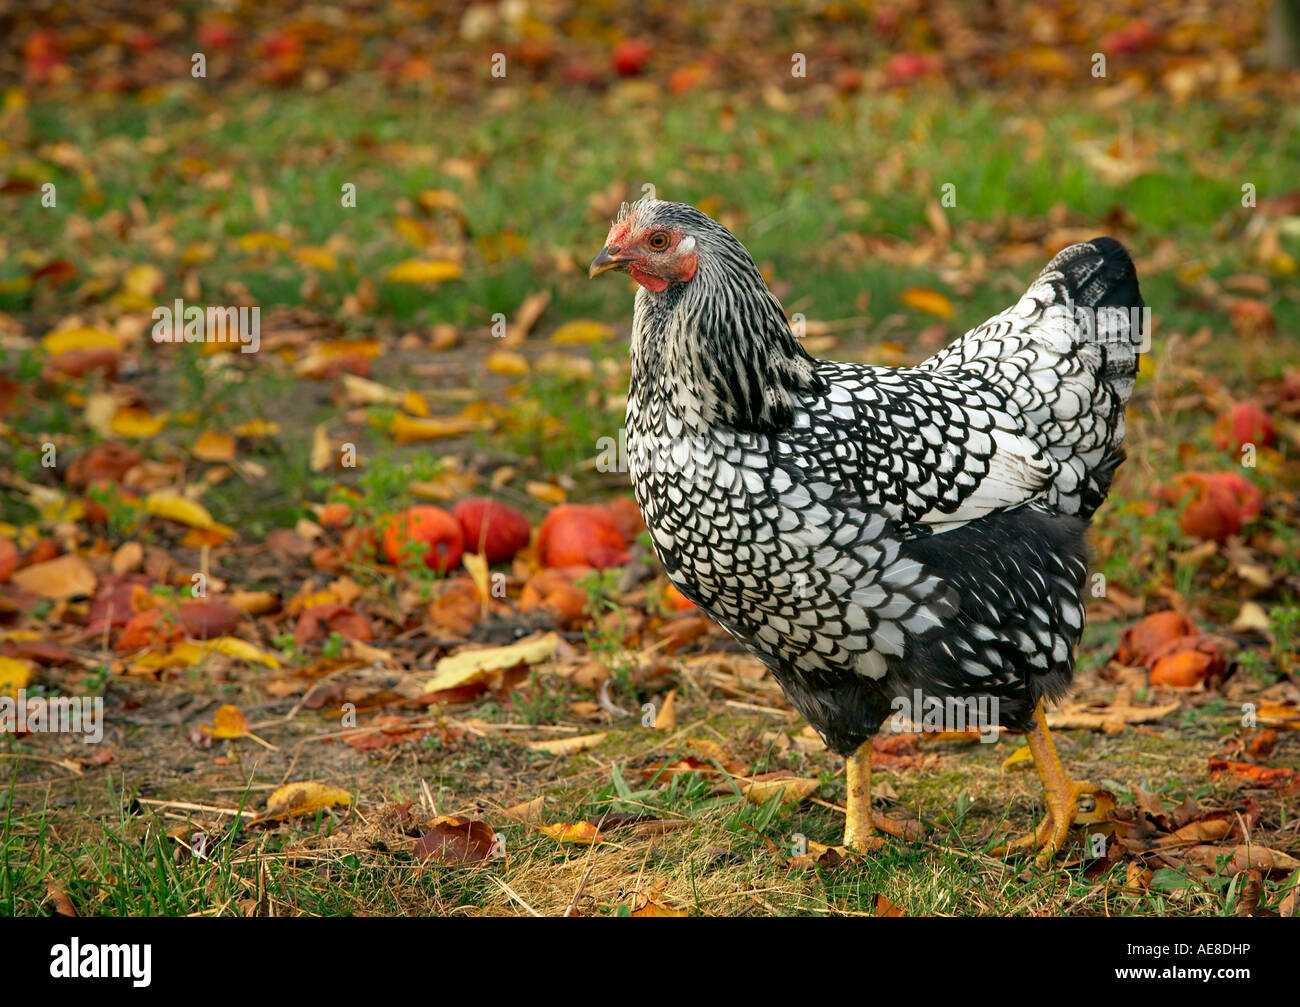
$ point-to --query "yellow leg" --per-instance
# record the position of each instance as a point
(1062, 795)
(859, 833)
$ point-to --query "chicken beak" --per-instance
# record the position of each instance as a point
(604, 262)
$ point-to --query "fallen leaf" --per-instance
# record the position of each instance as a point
(567, 746)
(455, 840)
(214, 447)
(423, 271)
(68, 576)
(295, 799)
(580, 832)
(14, 675)
(582, 331)
(471, 665)
(227, 722)
(791, 789)
(406, 429)
(930, 301)
(653, 909)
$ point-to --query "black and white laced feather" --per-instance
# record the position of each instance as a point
(867, 531)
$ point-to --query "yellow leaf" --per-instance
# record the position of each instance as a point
(174, 507)
(14, 675)
(792, 790)
(578, 832)
(67, 576)
(405, 429)
(143, 280)
(364, 392)
(545, 492)
(1021, 757)
(232, 646)
(82, 337)
(197, 252)
(257, 428)
(930, 301)
(414, 403)
(256, 241)
(228, 722)
(303, 799)
(477, 566)
(214, 447)
(471, 666)
(567, 746)
(438, 199)
(413, 231)
(514, 365)
(582, 331)
(316, 257)
(131, 421)
(188, 653)
(424, 271)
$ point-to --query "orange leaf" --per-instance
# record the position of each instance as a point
(228, 722)
(930, 301)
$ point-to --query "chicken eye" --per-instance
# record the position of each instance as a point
(658, 241)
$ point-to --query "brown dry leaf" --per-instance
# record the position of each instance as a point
(528, 811)
(1079, 716)
(59, 900)
(295, 799)
(1244, 857)
(526, 317)
(567, 746)
(578, 832)
(666, 718)
(322, 454)
(455, 840)
(128, 557)
(67, 576)
(711, 752)
(792, 789)
(819, 855)
(886, 908)
(255, 602)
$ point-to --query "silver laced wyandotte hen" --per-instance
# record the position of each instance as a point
(877, 533)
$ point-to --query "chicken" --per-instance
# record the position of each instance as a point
(887, 541)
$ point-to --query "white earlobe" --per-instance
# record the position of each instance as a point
(686, 245)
